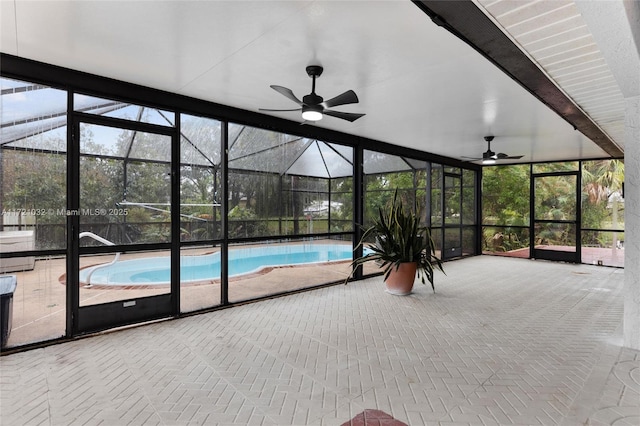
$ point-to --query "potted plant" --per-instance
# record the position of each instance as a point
(401, 246)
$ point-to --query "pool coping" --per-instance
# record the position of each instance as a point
(253, 274)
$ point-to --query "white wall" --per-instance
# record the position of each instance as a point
(615, 26)
(632, 224)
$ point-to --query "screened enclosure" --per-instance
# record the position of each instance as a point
(571, 211)
(117, 212)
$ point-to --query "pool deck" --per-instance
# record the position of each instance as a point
(40, 298)
(590, 255)
(503, 341)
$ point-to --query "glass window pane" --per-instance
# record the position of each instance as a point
(603, 248)
(506, 241)
(199, 278)
(602, 198)
(34, 198)
(104, 140)
(200, 182)
(378, 162)
(322, 160)
(436, 195)
(39, 301)
(150, 146)
(389, 181)
(310, 163)
(452, 199)
(33, 174)
(374, 200)
(555, 236)
(123, 276)
(33, 168)
(505, 195)
(339, 162)
(122, 110)
(555, 197)
(421, 195)
(452, 243)
(148, 200)
(468, 241)
(257, 270)
(124, 143)
(436, 235)
(123, 201)
(345, 152)
(468, 206)
(263, 150)
(468, 178)
(315, 204)
(416, 164)
(468, 197)
(257, 205)
(342, 205)
(200, 211)
(567, 166)
(280, 184)
(33, 116)
(200, 140)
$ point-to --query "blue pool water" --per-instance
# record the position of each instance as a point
(156, 270)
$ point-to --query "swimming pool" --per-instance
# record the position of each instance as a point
(156, 270)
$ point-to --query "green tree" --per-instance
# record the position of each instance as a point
(601, 194)
(505, 195)
(35, 180)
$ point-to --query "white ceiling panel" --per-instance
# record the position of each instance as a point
(418, 85)
(556, 37)
(8, 40)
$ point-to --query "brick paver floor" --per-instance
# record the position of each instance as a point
(502, 342)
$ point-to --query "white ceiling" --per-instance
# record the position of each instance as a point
(419, 86)
(556, 37)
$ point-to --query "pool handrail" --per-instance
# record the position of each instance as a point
(103, 241)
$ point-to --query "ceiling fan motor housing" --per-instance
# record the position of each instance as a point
(312, 99)
(314, 70)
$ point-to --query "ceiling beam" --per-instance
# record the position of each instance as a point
(464, 20)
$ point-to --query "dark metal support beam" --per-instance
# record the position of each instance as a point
(463, 19)
(224, 215)
(175, 219)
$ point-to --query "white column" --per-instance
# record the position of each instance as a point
(615, 26)
(632, 223)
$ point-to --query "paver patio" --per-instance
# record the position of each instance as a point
(502, 342)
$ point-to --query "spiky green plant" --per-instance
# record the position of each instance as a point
(399, 238)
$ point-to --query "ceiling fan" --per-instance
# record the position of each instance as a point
(490, 157)
(313, 107)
